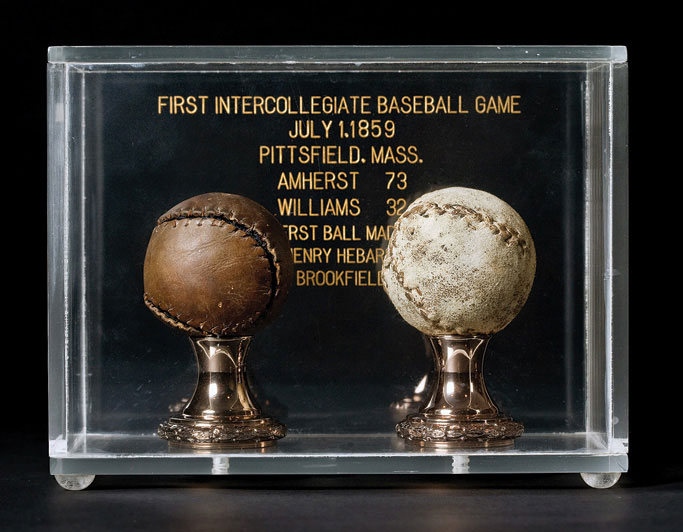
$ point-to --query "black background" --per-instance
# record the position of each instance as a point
(336, 354)
(655, 457)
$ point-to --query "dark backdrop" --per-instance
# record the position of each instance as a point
(30, 27)
(334, 352)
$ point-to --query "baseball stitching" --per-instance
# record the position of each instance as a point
(510, 237)
(417, 303)
(222, 219)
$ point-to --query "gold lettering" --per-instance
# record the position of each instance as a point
(311, 255)
(340, 233)
(320, 207)
(378, 232)
(498, 104)
(301, 232)
(339, 278)
(360, 255)
(394, 155)
(177, 104)
(418, 104)
(162, 101)
(315, 154)
(317, 180)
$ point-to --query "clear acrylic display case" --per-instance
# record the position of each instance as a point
(135, 130)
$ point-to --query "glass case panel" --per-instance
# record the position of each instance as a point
(337, 142)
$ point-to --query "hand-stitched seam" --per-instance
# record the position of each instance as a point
(473, 218)
(414, 295)
(168, 317)
(261, 241)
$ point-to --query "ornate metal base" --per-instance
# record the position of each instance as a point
(221, 412)
(459, 411)
(256, 433)
(424, 431)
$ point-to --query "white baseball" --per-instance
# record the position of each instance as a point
(460, 261)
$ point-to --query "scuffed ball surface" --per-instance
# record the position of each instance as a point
(460, 261)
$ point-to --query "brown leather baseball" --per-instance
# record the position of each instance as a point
(217, 265)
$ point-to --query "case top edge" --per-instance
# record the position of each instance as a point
(335, 54)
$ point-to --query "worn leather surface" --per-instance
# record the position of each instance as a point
(217, 264)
